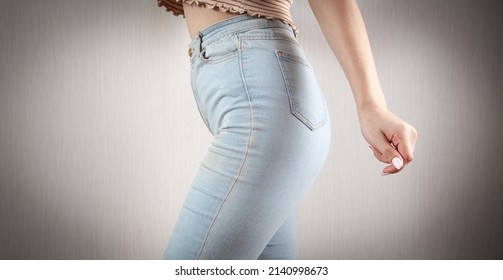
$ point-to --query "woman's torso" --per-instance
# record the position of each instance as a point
(198, 18)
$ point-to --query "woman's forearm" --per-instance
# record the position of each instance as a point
(344, 28)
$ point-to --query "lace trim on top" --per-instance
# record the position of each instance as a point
(177, 9)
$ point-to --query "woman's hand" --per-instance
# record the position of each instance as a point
(391, 139)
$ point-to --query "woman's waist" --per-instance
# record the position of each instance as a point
(199, 18)
(245, 26)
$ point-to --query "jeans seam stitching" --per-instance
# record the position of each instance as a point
(245, 154)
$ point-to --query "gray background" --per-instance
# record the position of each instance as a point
(100, 136)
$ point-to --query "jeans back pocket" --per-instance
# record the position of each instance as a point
(307, 102)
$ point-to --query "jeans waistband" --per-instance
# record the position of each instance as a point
(232, 25)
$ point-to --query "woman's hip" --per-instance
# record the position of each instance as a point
(261, 71)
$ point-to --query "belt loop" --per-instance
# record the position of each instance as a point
(200, 35)
(192, 47)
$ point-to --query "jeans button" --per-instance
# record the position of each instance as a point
(190, 52)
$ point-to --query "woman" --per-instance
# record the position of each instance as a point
(257, 94)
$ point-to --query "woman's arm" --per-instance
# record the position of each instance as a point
(344, 29)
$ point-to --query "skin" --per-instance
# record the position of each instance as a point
(197, 18)
(344, 29)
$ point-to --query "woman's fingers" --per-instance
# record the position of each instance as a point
(391, 140)
(388, 154)
(405, 148)
(388, 169)
(397, 151)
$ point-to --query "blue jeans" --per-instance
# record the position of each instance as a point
(258, 96)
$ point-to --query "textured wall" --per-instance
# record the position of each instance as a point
(100, 136)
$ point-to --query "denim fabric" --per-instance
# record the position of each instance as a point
(258, 96)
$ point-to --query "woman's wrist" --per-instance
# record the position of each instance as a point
(370, 101)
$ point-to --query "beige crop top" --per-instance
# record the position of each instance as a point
(270, 9)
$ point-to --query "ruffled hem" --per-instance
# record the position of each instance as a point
(223, 7)
(161, 3)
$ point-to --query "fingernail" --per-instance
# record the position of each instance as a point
(370, 148)
(384, 174)
(397, 162)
